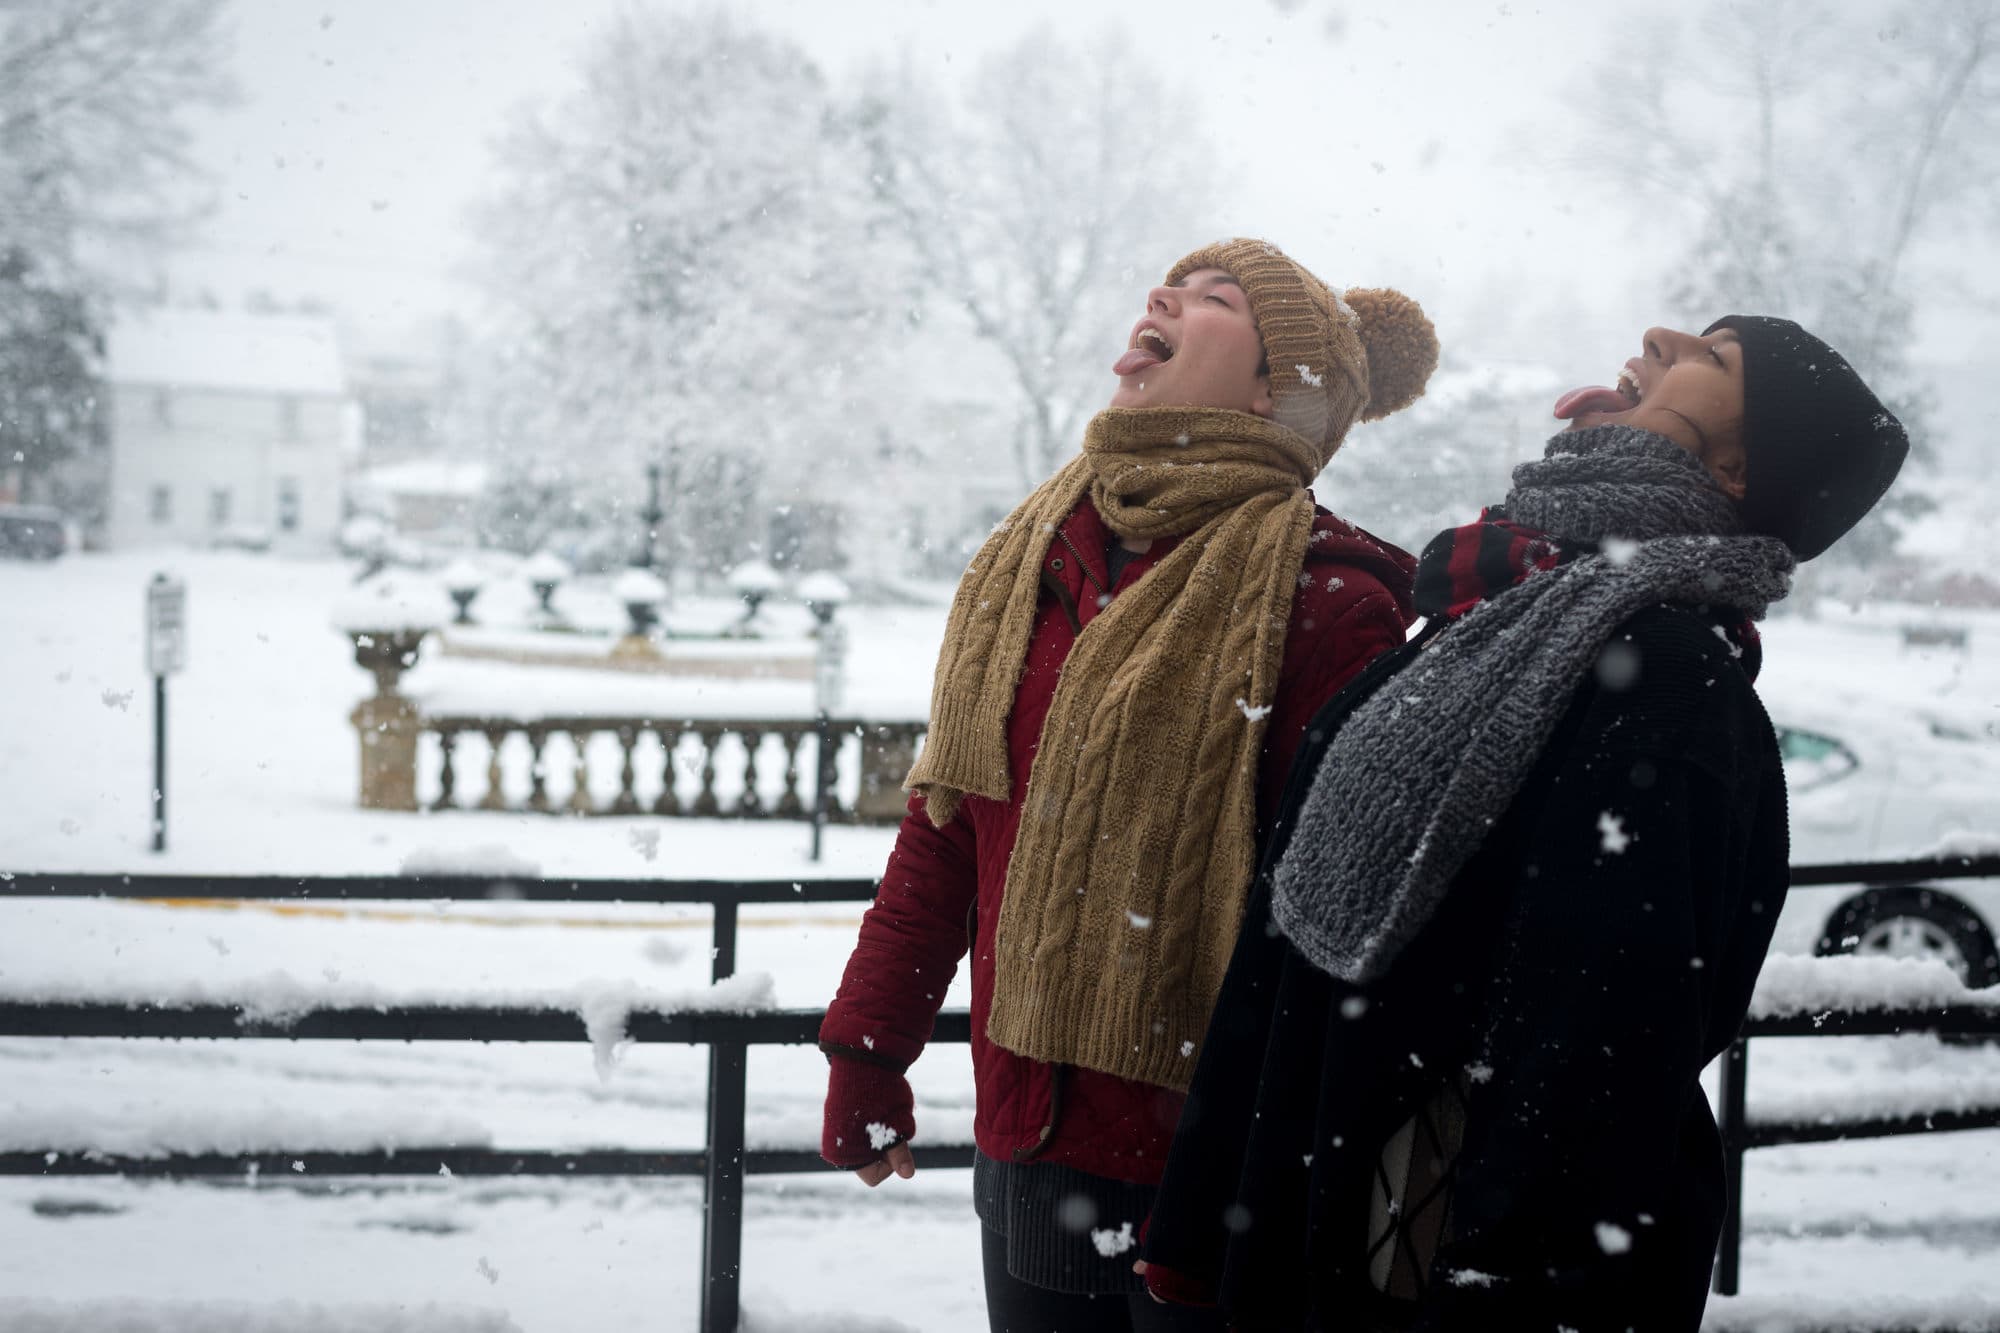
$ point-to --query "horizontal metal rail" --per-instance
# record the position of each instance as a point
(449, 1161)
(776, 1027)
(490, 887)
(1778, 1133)
(1946, 1020)
(437, 888)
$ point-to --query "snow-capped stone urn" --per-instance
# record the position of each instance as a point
(642, 593)
(387, 620)
(753, 581)
(462, 581)
(545, 572)
(824, 592)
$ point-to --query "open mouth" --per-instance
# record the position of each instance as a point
(1149, 348)
(1627, 394)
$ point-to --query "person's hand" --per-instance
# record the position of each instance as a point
(869, 1120)
(896, 1162)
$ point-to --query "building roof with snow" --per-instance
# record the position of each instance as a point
(425, 476)
(231, 350)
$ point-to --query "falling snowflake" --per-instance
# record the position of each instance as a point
(1111, 1244)
(1612, 839)
(1254, 714)
(1613, 1239)
(880, 1135)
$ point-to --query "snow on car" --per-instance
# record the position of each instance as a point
(1871, 782)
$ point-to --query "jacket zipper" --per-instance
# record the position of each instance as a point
(1102, 591)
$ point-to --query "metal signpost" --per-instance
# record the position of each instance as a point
(166, 653)
(829, 687)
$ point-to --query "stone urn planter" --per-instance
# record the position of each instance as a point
(387, 621)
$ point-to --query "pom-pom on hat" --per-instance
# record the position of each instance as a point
(1819, 448)
(1335, 357)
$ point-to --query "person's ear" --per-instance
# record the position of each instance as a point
(1261, 403)
(1730, 467)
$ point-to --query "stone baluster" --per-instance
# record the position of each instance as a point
(705, 803)
(447, 777)
(628, 799)
(668, 802)
(752, 804)
(579, 790)
(495, 798)
(538, 791)
(790, 805)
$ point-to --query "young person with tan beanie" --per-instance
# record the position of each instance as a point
(1130, 661)
(1522, 881)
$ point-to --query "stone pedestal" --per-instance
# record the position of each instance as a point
(886, 756)
(388, 730)
(388, 724)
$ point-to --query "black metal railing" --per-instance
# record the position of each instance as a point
(1741, 1133)
(724, 1160)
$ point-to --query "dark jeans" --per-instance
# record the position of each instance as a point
(1014, 1306)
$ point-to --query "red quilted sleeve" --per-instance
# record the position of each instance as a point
(911, 941)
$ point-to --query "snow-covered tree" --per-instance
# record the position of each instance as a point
(1039, 204)
(49, 346)
(94, 136)
(94, 132)
(1811, 148)
(678, 258)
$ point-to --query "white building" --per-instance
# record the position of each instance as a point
(224, 425)
(425, 497)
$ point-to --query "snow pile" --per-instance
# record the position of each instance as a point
(767, 1316)
(392, 604)
(487, 859)
(1796, 1313)
(1955, 1093)
(1963, 845)
(144, 1129)
(281, 997)
(236, 1317)
(1791, 984)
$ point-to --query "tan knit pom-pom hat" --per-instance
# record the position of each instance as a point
(1335, 357)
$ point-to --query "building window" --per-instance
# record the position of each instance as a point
(288, 504)
(160, 506)
(288, 418)
(218, 507)
(163, 408)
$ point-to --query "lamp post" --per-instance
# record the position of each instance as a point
(824, 592)
(648, 554)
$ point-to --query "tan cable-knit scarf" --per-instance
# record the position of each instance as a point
(1136, 842)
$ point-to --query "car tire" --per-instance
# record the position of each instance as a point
(1915, 922)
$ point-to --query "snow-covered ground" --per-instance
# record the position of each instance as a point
(264, 779)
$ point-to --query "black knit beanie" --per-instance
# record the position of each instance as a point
(1819, 447)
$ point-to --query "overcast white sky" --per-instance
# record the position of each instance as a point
(1380, 143)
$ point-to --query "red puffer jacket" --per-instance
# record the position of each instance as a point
(941, 892)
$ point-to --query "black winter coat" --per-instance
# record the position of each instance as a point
(1571, 990)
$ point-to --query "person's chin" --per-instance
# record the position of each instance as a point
(1130, 394)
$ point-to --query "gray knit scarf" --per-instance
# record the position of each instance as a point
(1423, 770)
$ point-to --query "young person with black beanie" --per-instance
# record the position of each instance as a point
(1522, 880)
